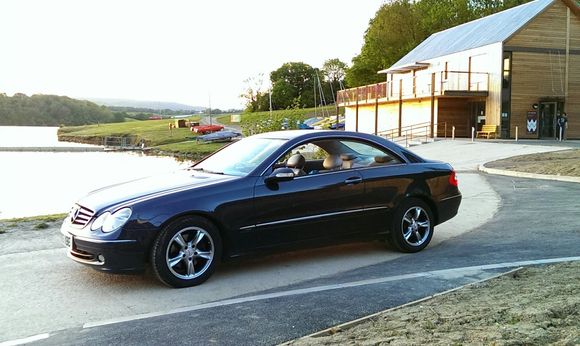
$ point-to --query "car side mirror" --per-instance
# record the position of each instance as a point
(280, 174)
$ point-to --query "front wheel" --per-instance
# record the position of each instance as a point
(412, 226)
(186, 252)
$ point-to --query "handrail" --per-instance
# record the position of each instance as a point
(412, 132)
(423, 85)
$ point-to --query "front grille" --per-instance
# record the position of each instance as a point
(80, 216)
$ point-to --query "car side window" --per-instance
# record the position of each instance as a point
(304, 159)
(359, 154)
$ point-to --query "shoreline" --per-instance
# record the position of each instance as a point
(52, 149)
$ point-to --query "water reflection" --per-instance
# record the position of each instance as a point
(36, 183)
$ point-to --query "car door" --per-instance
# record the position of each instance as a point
(386, 178)
(317, 206)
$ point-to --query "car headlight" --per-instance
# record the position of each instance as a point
(98, 223)
(113, 221)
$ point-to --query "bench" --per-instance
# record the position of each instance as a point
(487, 131)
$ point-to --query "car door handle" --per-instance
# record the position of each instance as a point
(353, 180)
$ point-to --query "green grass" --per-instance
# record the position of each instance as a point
(258, 122)
(178, 142)
(39, 218)
(225, 119)
(190, 149)
(153, 132)
(35, 222)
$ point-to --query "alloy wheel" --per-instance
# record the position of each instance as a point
(190, 253)
(416, 226)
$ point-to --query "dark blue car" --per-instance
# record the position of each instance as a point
(272, 190)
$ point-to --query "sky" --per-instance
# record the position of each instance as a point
(194, 52)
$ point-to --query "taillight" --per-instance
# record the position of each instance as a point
(453, 179)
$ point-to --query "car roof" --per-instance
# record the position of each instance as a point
(304, 134)
(294, 136)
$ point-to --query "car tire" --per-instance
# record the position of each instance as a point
(412, 227)
(186, 252)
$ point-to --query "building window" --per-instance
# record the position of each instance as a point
(507, 65)
(506, 95)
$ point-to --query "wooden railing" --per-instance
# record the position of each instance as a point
(419, 86)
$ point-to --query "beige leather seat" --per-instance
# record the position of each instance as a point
(381, 160)
(296, 163)
(347, 160)
(332, 163)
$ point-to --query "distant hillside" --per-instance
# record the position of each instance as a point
(158, 105)
(51, 110)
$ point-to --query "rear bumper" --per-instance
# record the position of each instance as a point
(447, 208)
(105, 255)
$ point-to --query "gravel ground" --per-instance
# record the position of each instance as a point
(533, 306)
(565, 162)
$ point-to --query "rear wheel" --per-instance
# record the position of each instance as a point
(412, 227)
(186, 252)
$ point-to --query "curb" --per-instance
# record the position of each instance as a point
(351, 324)
(517, 174)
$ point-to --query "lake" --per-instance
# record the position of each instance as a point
(38, 183)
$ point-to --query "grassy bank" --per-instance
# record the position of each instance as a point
(156, 133)
(31, 223)
(289, 118)
(153, 132)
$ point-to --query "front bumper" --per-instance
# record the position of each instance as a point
(104, 255)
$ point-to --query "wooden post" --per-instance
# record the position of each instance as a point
(567, 52)
(432, 125)
(414, 85)
(400, 105)
(469, 75)
(356, 115)
(376, 109)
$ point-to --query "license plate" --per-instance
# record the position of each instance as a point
(68, 241)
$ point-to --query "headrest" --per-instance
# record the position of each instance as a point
(383, 159)
(332, 162)
(296, 161)
(347, 157)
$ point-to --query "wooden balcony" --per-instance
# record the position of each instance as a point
(444, 83)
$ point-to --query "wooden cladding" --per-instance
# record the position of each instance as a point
(548, 30)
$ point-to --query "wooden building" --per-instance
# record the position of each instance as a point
(516, 69)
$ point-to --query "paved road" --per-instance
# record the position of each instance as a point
(537, 220)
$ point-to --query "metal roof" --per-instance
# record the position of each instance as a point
(495, 28)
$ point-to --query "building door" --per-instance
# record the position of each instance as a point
(477, 115)
(547, 123)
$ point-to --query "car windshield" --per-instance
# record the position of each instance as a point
(241, 157)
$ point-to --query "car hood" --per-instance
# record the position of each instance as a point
(149, 186)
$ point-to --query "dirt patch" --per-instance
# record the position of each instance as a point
(565, 162)
(30, 234)
(534, 306)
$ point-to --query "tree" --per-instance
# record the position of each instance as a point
(50, 110)
(334, 72)
(293, 84)
(253, 93)
(400, 25)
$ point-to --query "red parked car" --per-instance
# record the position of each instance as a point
(204, 129)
